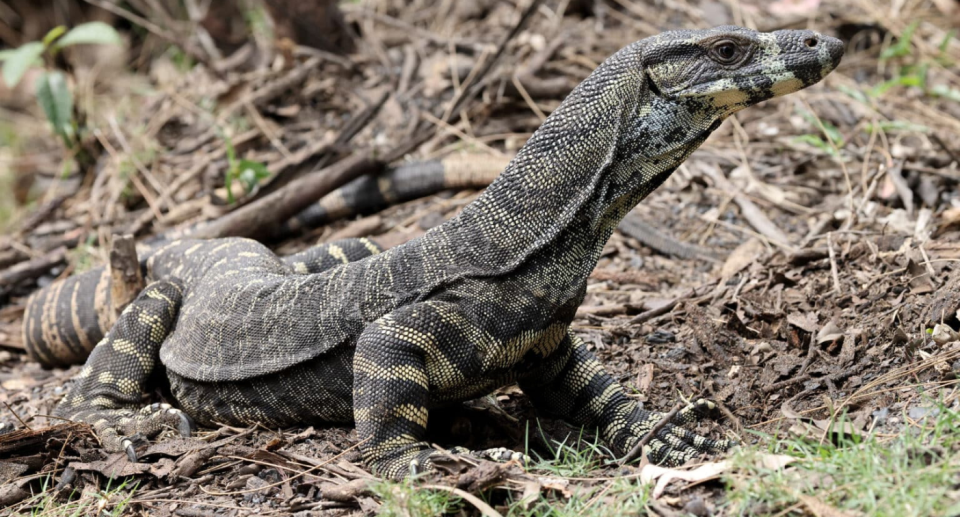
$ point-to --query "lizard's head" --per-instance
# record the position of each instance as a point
(726, 69)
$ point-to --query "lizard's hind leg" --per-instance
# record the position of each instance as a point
(107, 392)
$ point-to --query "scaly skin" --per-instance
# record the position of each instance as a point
(479, 302)
(369, 194)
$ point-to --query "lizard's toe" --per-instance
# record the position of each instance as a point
(501, 455)
(673, 445)
(119, 430)
(661, 453)
(694, 412)
(156, 417)
(698, 442)
(186, 425)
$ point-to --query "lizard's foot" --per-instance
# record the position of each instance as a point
(415, 460)
(496, 454)
(673, 445)
(119, 429)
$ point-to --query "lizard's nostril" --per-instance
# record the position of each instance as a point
(811, 42)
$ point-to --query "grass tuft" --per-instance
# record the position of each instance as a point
(914, 473)
(402, 499)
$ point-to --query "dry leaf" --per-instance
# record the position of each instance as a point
(829, 333)
(806, 321)
(645, 378)
(664, 476)
(740, 258)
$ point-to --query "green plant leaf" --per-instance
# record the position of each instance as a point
(946, 40)
(54, 33)
(250, 173)
(19, 61)
(854, 94)
(942, 90)
(92, 32)
(898, 125)
(829, 129)
(902, 46)
(817, 142)
(903, 80)
(57, 103)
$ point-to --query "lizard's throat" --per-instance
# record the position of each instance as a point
(628, 181)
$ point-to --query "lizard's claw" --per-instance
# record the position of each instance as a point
(673, 445)
(171, 416)
(120, 429)
(127, 445)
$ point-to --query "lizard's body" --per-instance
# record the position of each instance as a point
(481, 301)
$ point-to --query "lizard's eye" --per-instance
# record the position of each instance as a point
(726, 52)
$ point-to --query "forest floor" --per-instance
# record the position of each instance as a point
(802, 269)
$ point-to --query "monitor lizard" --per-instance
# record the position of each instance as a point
(481, 301)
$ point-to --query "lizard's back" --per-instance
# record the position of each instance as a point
(247, 314)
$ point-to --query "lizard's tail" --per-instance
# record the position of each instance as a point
(65, 320)
(370, 194)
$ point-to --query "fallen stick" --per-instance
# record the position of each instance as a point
(259, 217)
(30, 269)
(126, 280)
(634, 226)
(644, 317)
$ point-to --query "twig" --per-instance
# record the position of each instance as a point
(946, 148)
(460, 134)
(271, 90)
(634, 226)
(286, 170)
(15, 415)
(470, 88)
(291, 478)
(926, 262)
(460, 45)
(528, 99)
(783, 384)
(643, 317)
(158, 31)
(31, 268)
(833, 264)
(354, 126)
(750, 211)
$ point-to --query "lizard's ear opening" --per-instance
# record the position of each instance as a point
(652, 85)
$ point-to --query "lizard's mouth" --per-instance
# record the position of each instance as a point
(743, 91)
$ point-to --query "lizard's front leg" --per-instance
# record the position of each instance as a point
(399, 360)
(582, 392)
(107, 392)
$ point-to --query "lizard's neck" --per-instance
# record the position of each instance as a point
(607, 146)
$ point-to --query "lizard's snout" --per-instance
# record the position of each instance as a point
(830, 48)
(808, 54)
